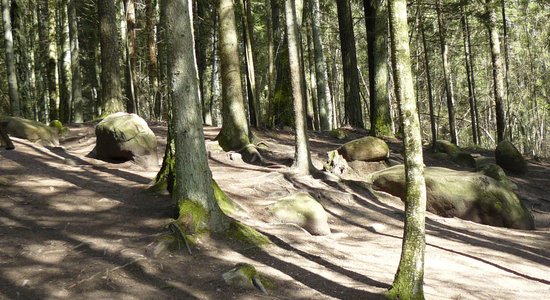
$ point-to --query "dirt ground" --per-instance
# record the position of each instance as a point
(73, 227)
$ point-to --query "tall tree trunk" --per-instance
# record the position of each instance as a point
(193, 176)
(76, 82)
(248, 37)
(352, 100)
(302, 159)
(152, 64)
(506, 61)
(376, 23)
(131, 59)
(10, 60)
(323, 90)
(234, 132)
(433, 127)
(201, 42)
(214, 103)
(110, 56)
(53, 75)
(408, 282)
(473, 78)
(41, 68)
(448, 81)
(498, 81)
(65, 106)
(471, 92)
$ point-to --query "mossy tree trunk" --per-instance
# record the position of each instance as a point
(193, 176)
(302, 158)
(376, 23)
(132, 89)
(352, 101)
(152, 64)
(234, 132)
(248, 38)
(498, 80)
(408, 282)
(52, 75)
(10, 60)
(110, 56)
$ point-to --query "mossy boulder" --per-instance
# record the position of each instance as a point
(30, 130)
(58, 126)
(465, 195)
(509, 158)
(303, 210)
(123, 136)
(339, 133)
(244, 275)
(365, 149)
(456, 154)
(497, 173)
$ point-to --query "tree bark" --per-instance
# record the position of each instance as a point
(131, 59)
(76, 82)
(234, 132)
(408, 282)
(376, 23)
(302, 160)
(41, 67)
(498, 81)
(433, 127)
(10, 60)
(248, 37)
(152, 64)
(214, 103)
(471, 92)
(193, 176)
(323, 91)
(352, 100)
(449, 92)
(65, 106)
(53, 75)
(110, 54)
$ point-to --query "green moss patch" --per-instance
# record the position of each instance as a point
(246, 234)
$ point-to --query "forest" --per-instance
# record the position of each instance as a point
(279, 149)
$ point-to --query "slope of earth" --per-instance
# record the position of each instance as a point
(74, 227)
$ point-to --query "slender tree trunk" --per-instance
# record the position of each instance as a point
(312, 83)
(76, 82)
(352, 100)
(193, 176)
(215, 74)
(433, 127)
(498, 81)
(473, 81)
(10, 60)
(131, 60)
(248, 37)
(408, 282)
(471, 97)
(302, 160)
(323, 90)
(65, 106)
(270, 59)
(53, 75)
(234, 132)
(110, 53)
(449, 92)
(506, 62)
(150, 24)
(41, 68)
(201, 43)
(376, 24)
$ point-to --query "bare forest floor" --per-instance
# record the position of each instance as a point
(73, 227)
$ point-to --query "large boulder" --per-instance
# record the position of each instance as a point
(456, 154)
(509, 158)
(465, 195)
(365, 149)
(303, 210)
(30, 130)
(123, 136)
